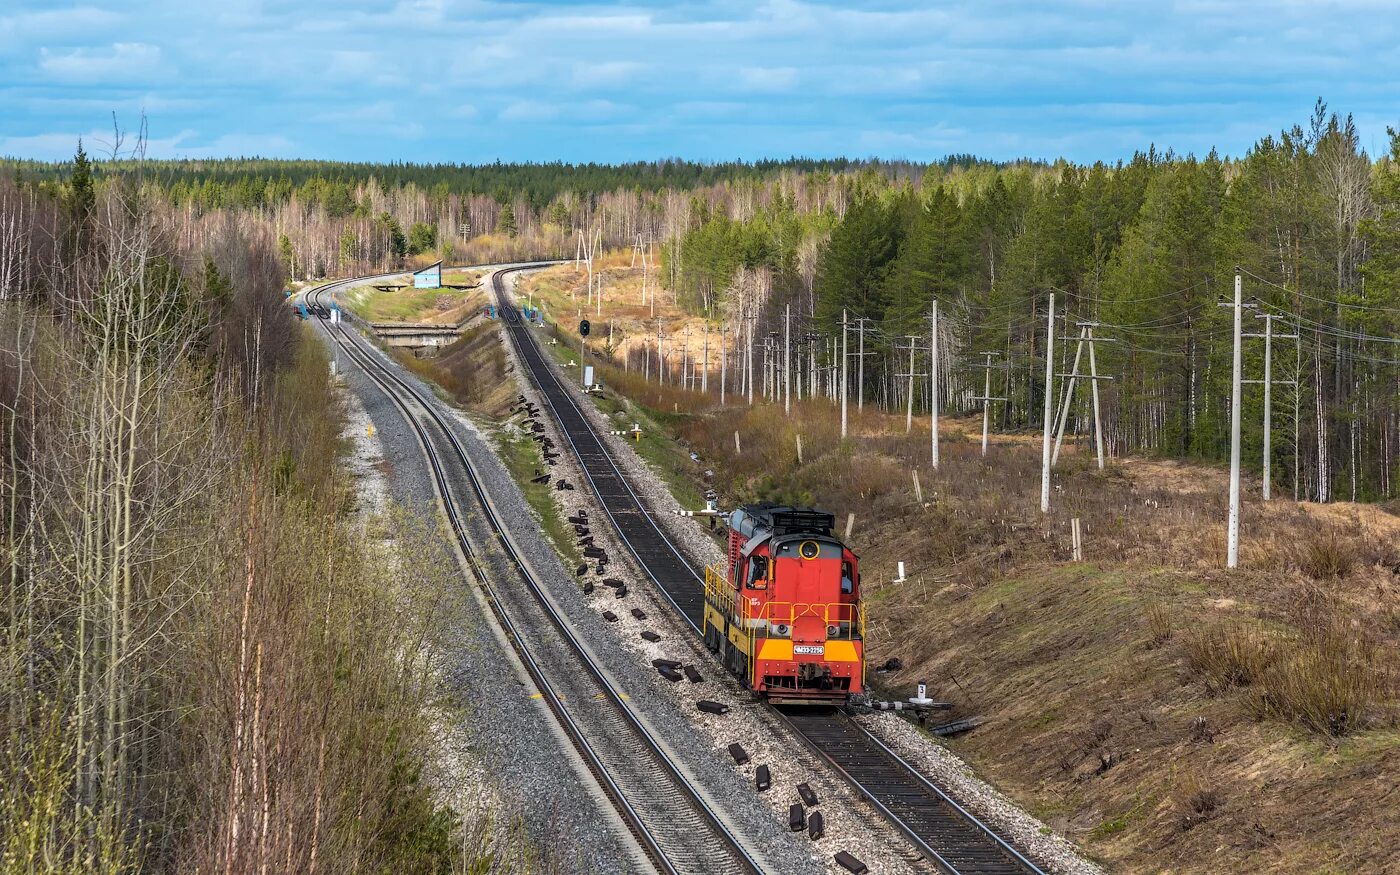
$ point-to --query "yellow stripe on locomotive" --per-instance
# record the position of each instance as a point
(784, 611)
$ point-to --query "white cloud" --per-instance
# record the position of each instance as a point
(768, 78)
(1005, 77)
(529, 111)
(119, 62)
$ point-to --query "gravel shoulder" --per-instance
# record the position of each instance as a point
(498, 753)
(863, 829)
(850, 823)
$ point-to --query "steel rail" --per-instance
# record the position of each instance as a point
(887, 788)
(384, 377)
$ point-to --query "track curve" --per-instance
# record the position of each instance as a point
(674, 825)
(948, 835)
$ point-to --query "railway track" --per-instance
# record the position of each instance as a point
(674, 825)
(948, 835)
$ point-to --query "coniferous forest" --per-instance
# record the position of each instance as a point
(1144, 248)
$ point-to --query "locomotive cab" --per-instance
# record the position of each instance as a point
(786, 612)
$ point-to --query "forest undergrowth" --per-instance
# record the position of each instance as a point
(207, 662)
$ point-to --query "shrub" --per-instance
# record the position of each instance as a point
(1160, 622)
(1233, 655)
(1195, 802)
(1326, 555)
(1327, 681)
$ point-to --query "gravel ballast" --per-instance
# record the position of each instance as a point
(1050, 850)
(501, 754)
(850, 823)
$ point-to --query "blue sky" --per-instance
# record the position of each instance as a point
(461, 80)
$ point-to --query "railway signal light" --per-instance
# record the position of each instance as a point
(583, 328)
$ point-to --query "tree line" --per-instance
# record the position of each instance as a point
(1145, 250)
(1144, 247)
(205, 663)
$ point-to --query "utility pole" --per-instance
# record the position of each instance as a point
(1068, 396)
(909, 402)
(660, 354)
(685, 360)
(705, 371)
(1094, 385)
(1232, 557)
(1268, 381)
(860, 367)
(844, 393)
(909, 410)
(723, 366)
(933, 382)
(1085, 338)
(987, 398)
(787, 360)
(748, 366)
(1049, 408)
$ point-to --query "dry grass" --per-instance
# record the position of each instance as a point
(1195, 801)
(1326, 555)
(1160, 622)
(1049, 653)
(472, 369)
(1234, 655)
(1330, 681)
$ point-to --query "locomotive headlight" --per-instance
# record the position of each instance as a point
(782, 630)
(809, 550)
(832, 631)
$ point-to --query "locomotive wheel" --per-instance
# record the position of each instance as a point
(736, 662)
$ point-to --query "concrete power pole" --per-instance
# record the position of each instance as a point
(844, 393)
(705, 370)
(933, 382)
(748, 361)
(987, 398)
(909, 402)
(1085, 337)
(1094, 385)
(1068, 396)
(860, 366)
(1232, 558)
(1268, 382)
(723, 366)
(787, 360)
(1049, 408)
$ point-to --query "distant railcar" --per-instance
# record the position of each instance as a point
(784, 612)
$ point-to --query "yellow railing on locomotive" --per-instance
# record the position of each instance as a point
(739, 611)
(848, 619)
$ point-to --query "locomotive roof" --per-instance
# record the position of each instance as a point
(782, 519)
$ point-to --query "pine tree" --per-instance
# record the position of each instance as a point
(506, 223)
(82, 201)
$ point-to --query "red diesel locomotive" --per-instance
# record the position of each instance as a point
(786, 614)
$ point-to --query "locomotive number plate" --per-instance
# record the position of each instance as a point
(816, 649)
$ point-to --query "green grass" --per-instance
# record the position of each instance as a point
(666, 456)
(405, 305)
(521, 455)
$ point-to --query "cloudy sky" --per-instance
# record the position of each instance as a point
(471, 81)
